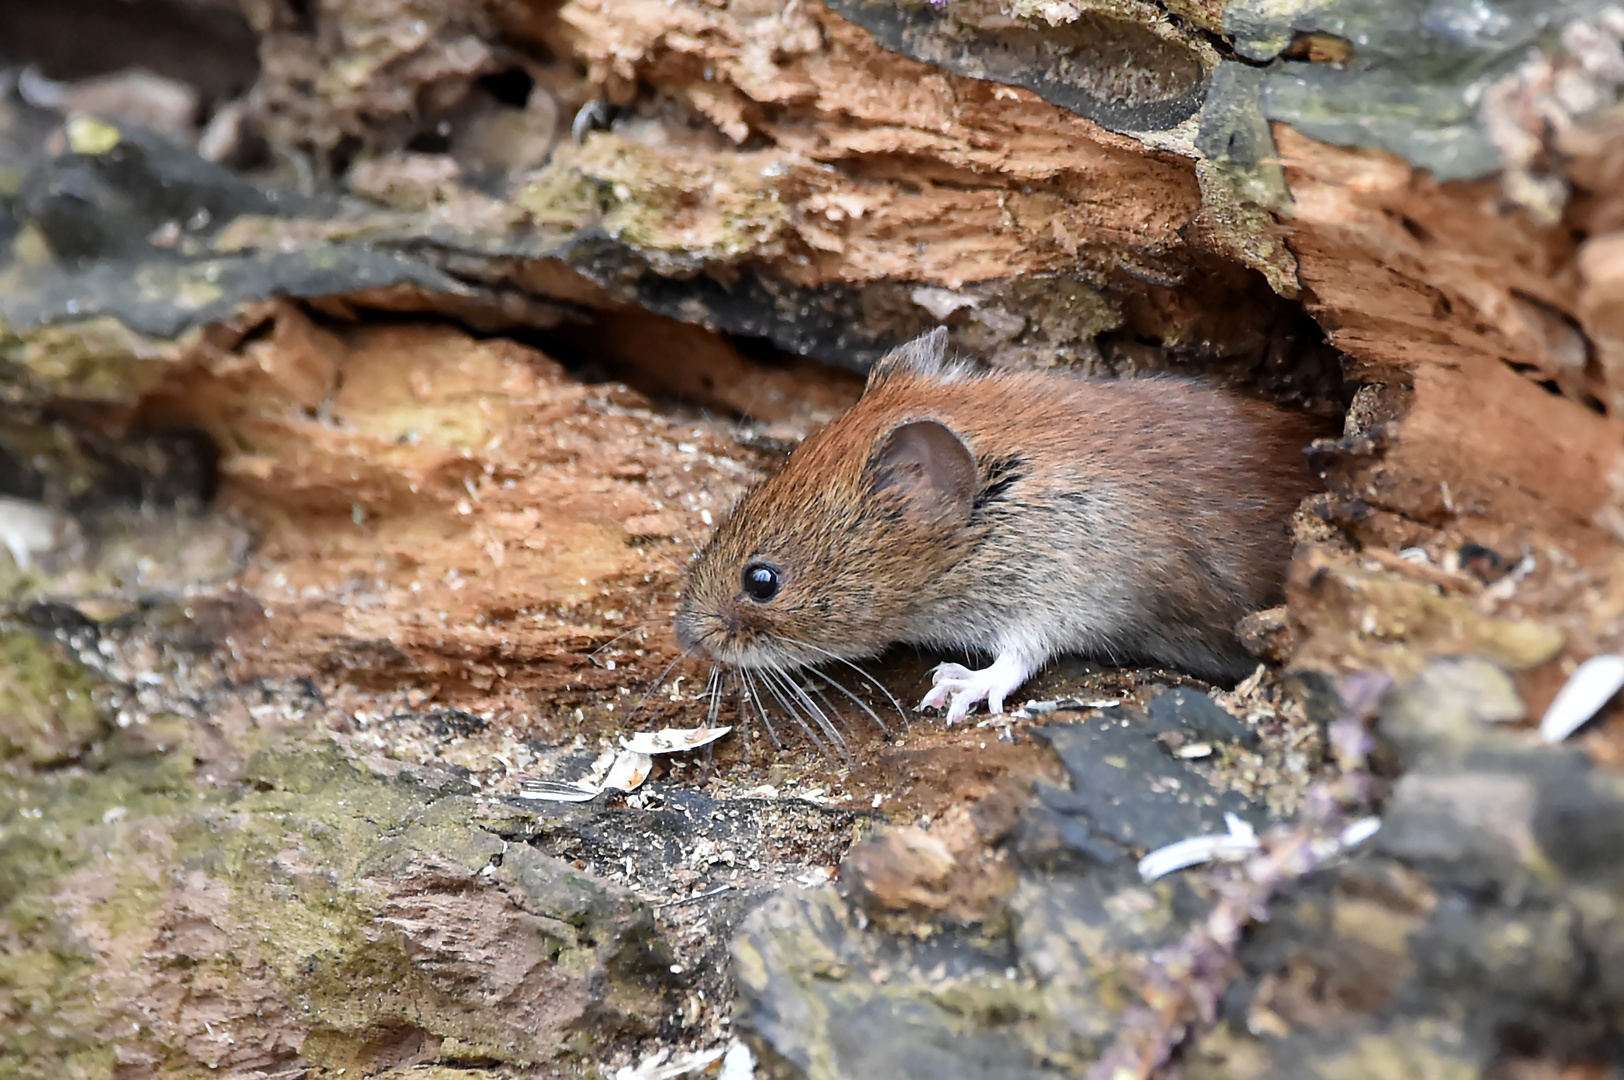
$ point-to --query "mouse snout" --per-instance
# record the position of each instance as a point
(687, 636)
(690, 632)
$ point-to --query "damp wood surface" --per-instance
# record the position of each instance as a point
(347, 510)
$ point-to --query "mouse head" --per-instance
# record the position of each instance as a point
(829, 557)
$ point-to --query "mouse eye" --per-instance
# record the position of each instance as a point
(761, 581)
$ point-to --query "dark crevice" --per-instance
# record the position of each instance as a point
(303, 14)
(468, 1064)
(511, 87)
(1536, 376)
(433, 141)
(1417, 231)
(342, 156)
(213, 49)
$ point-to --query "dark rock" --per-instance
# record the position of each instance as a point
(878, 1018)
(1041, 982)
(1483, 923)
(828, 999)
(1449, 708)
(605, 833)
(1478, 822)
(1322, 701)
(1196, 714)
(1114, 72)
(826, 323)
(164, 298)
(1420, 71)
(1579, 820)
(1129, 790)
(1087, 939)
(1431, 1047)
(8, 222)
(1051, 840)
(109, 201)
(1484, 800)
(1511, 957)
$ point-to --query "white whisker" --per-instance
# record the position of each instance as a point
(796, 691)
(833, 684)
(813, 686)
(773, 681)
(656, 685)
(625, 633)
(713, 691)
(750, 687)
(870, 679)
(744, 720)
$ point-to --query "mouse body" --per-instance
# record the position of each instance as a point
(1021, 515)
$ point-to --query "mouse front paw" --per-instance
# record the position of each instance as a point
(957, 682)
(960, 688)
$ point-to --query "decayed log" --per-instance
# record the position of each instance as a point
(1479, 301)
(1408, 215)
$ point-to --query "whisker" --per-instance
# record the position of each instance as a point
(870, 679)
(823, 722)
(625, 633)
(809, 724)
(772, 680)
(787, 681)
(667, 552)
(744, 720)
(750, 686)
(832, 684)
(712, 695)
(813, 685)
(655, 686)
(756, 687)
(713, 690)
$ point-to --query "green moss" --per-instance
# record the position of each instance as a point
(48, 711)
(1239, 224)
(561, 198)
(1423, 1049)
(98, 870)
(1207, 14)
(298, 857)
(92, 360)
(703, 209)
(1067, 308)
(57, 1003)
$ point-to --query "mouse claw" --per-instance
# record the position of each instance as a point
(946, 679)
(960, 688)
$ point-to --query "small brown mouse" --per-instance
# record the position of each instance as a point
(1018, 514)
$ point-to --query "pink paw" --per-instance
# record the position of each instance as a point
(961, 688)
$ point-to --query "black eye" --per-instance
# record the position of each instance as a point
(761, 581)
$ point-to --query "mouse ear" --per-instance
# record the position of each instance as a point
(925, 356)
(931, 469)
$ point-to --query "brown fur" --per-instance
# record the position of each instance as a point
(1129, 520)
